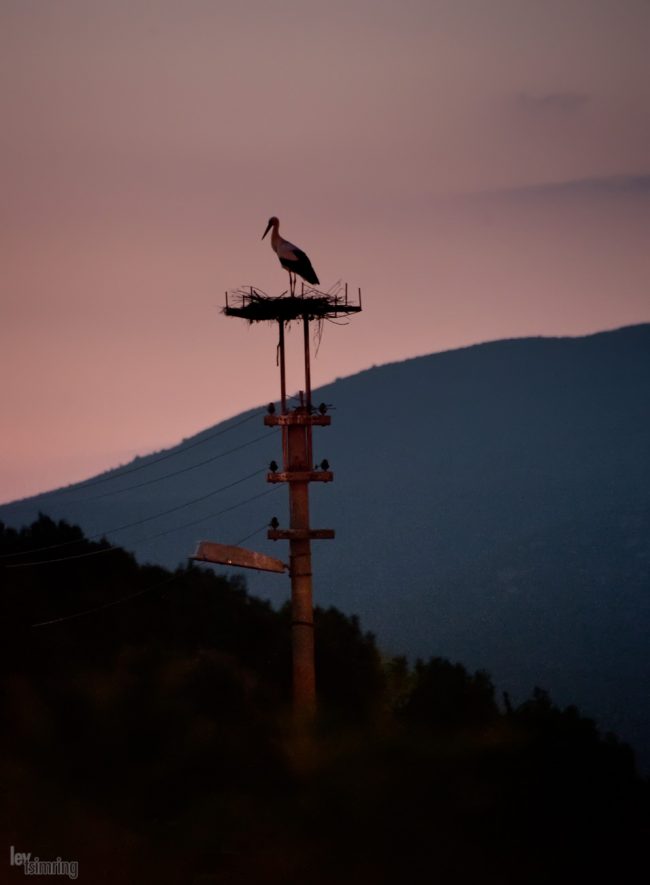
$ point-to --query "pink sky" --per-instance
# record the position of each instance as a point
(481, 170)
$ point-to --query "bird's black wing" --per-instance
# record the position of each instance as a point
(301, 265)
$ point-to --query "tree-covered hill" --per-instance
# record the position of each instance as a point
(489, 502)
(147, 735)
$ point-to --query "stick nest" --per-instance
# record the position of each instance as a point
(257, 307)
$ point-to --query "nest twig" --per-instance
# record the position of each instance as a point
(256, 306)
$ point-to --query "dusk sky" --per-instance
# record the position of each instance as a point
(480, 168)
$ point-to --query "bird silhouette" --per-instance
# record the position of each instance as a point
(291, 257)
(273, 467)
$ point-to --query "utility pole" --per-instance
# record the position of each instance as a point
(298, 471)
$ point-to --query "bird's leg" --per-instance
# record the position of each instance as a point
(292, 283)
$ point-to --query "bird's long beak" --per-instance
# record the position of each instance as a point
(268, 228)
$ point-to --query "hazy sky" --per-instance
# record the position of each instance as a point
(481, 168)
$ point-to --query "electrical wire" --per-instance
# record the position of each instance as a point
(183, 447)
(251, 535)
(130, 525)
(90, 611)
(148, 482)
(212, 515)
(153, 587)
(149, 538)
(110, 549)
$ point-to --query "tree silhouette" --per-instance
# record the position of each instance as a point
(445, 696)
(149, 741)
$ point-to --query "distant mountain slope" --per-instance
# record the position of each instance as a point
(491, 505)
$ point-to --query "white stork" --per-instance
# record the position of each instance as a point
(291, 257)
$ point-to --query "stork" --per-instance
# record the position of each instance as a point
(291, 257)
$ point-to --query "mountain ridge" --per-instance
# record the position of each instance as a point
(234, 418)
(490, 504)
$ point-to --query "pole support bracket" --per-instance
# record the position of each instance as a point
(300, 534)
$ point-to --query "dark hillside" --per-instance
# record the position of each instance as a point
(148, 740)
(490, 504)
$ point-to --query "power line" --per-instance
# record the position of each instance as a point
(90, 611)
(130, 525)
(109, 549)
(251, 535)
(148, 482)
(146, 540)
(179, 450)
(212, 515)
(114, 602)
(230, 485)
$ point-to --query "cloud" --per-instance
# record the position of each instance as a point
(637, 185)
(603, 193)
(551, 103)
(633, 188)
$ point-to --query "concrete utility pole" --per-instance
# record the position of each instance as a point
(296, 427)
(298, 471)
